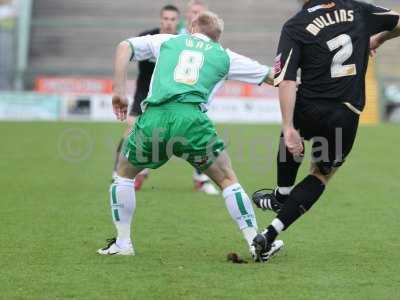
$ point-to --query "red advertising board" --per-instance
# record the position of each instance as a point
(90, 86)
(73, 85)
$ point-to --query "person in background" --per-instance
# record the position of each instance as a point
(194, 8)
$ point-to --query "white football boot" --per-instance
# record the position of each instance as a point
(113, 249)
(253, 252)
(263, 251)
(208, 188)
(202, 183)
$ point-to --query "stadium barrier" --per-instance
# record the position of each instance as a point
(24, 106)
(89, 99)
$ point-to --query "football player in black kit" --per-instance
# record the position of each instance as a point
(330, 42)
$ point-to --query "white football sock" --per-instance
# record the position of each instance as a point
(249, 234)
(285, 190)
(123, 204)
(240, 208)
(278, 225)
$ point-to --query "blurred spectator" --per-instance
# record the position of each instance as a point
(392, 96)
(194, 8)
(8, 12)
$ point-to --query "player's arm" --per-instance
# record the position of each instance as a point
(286, 66)
(382, 37)
(287, 99)
(382, 23)
(123, 54)
(247, 70)
(138, 48)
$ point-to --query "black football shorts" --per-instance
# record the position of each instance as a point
(332, 127)
(136, 109)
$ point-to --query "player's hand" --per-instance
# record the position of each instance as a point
(293, 141)
(374, 43)
(120, 106)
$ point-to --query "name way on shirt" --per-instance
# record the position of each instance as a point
(190, 43)
(329, 19)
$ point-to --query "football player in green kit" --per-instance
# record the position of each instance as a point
(189, 69)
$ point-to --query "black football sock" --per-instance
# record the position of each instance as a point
(119, 148)
(287, 166)
(271, 234)
(301, 199)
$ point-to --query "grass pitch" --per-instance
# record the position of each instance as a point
(54, 214)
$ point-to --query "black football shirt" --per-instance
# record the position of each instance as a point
(329, 42)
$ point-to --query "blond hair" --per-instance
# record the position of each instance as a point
(210, 24)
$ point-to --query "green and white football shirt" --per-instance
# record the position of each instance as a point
(190, 68)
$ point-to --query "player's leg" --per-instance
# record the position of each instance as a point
(136, 155)
(130, 121)
(303, 196)
(117, 154)
(339, 139)
(287, 164)
(204, 150)
(287, 168)
(237, 201)
(123, 204)
(134, 113)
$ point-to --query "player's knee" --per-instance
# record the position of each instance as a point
(325, 171)
(321, 175)
(224, 176)
(125, 168)
(221, 171)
